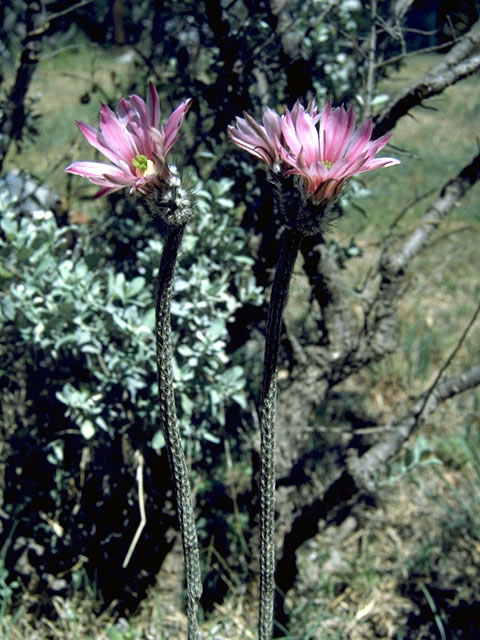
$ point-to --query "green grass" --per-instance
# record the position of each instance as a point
(436, 145)
(443, 289)
(66, 87)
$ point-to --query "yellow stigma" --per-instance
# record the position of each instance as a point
(328, 164)
(143, 166)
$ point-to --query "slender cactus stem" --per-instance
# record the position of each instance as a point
(168, 420)
(290, 245)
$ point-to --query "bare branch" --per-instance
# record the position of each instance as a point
(365, 468)
(410, 54)
(451, 193)
(400, 9)
(372, 53)
(378, 334)
(335, 503)
(64, 12)
(460, 62)
(330, 291)
(322, 16)
(141, 507)
(448, 361)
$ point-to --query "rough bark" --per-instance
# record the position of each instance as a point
(15, 112)
(330, 291)
(460, 62)
(380, 320)
(329, 363)
(400, 9)
(357, 477)
(376, 336)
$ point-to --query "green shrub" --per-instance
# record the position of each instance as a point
(66, 300)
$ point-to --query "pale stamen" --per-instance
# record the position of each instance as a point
(143, 166)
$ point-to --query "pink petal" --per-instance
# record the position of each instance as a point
(97, 170)
(249, 143)
(320, 171)
(360, 139)
(339, 132)
(290, 134)
(123, 109)
(376, 145)
(253, 137)
(142, 138)
(347, 167)
(251, 129)
(115, 136)
(153, 105)
(295, 111)
(322, 130)
(307, 136)
(379, 163)
(173, 124)
(107, 190)
(312, 109)
(272, 121)
(92, 136)
(141, 110)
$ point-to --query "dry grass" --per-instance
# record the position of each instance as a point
(355, 583)
(366, 585)
(66, 88)
(362, 580)
(443, 289)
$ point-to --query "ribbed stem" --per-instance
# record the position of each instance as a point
(290, 244)
(168, 421)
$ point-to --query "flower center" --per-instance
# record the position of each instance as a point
(144, 167)
(327, 164)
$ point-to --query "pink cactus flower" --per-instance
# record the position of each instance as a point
(261, 141)
(265, 142)
(136, 144)
(322, 148)
(328, 156)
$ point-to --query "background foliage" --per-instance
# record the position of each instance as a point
(77, 372)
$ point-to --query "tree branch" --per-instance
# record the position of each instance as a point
(446, 364)
(330, 291)
(400, 9)
(372, 54)
(365, 468)
(15, 112)
(357, 475)
(460, 62)
(377, 336)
